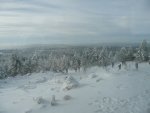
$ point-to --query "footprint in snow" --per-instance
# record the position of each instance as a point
(147, 91)
(29, 111)
(3, 112)
(90, 103)
(98, 111)
(99, 79)
(96, 101)
(148, 104)
(15, 102)
(27, 86)
(148, 110)
(120, 87)
(41, 80)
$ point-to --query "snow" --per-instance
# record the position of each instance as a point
(96, 91)
(69, 83)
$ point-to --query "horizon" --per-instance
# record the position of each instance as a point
(107, 44)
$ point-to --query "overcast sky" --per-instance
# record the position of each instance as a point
(73, 21)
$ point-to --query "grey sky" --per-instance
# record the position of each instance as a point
(73, 21)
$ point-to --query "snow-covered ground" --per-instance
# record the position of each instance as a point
(96, 91)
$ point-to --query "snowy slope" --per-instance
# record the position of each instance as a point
(98, 91)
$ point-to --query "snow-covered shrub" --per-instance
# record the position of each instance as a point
(67, 97)
(70, 83)
(99, 79)
(29, 111)
(39, 100)
(59, 81)
(53, 101)
(41, 80)
(93, 75)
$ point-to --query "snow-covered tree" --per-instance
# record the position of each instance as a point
(104, 57)
(111, 57)
(130, 54)
(16, 65)
(122, 55)
(142, 52)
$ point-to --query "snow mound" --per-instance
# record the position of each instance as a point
(67, 97)
(92, 75)
(27, 86)
(29, 111)
(43, 101)
(70, 83)
(41, 80)
(59, 81)
(99, 79)
(40, 100)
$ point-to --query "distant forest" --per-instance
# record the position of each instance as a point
(60, 60)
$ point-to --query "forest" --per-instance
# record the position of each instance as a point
(60, 60)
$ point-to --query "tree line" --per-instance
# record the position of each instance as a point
(62, 59)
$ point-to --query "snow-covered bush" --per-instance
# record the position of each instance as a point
(99, 79)
(70, 83)
(53, 101)
(93, 75)
(67, 97)
(40, 100)
(28, 111)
